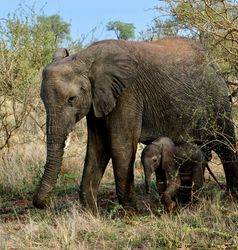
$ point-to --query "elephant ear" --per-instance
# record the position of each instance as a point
(60, 54)
(110, 74)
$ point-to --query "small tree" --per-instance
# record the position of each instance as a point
(27, 43)
(123, 31)
(159, 29)
(57, 26)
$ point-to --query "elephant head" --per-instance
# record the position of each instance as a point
(158, 154)
(151, 158)
(71, 87)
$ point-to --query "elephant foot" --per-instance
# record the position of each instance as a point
(88, 202)
(169, 204)
(131, 213)
(122, 212)
(170, 207)
(233, 193)
(40, 203)
(131, 206)
(128, 203)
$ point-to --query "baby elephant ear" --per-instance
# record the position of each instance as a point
(60, 54)
(110, 74)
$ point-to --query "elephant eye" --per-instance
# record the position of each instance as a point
(72, 100)
(154, 159)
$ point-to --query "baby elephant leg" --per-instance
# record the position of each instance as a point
(167, 186)
(198, 163)
(170, 169)
(172, 186)
(198, 171)
(191, 168)
(160, 180)
(198, 176)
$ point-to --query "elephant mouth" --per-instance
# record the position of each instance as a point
(70, 129)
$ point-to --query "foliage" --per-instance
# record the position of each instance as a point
(57, 26)
(124, 31)
(214, 23)
(27, 42)
(159, 29)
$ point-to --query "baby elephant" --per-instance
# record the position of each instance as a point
(174, 166)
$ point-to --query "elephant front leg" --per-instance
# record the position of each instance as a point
(173, 184)
(123, 158)
(172, 187)
(166, 189)
(97, 158)
(160, 180)
(125, 124)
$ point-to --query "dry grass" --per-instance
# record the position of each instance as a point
(211, 223)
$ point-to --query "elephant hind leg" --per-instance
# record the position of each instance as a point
(185, 192)
(230, 164)
(225, 147)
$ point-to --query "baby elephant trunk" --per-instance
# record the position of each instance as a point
(148, 181)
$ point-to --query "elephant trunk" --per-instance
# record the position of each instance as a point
(148, 180)
(55, 150)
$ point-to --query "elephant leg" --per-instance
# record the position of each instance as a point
(198, 175)
(185, 192)
(172, 186)
(225, 147)
(197, 178)
(124, 130)
(160, 180)
(123, 157)
(97, 158)
(230, 165)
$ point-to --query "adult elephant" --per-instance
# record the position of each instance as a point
(133, 92)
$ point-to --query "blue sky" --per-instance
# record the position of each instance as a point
(84, 15)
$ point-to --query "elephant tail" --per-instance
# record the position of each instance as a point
(222, 186)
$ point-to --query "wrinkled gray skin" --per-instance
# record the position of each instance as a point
(174, 167)
(132, 92)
